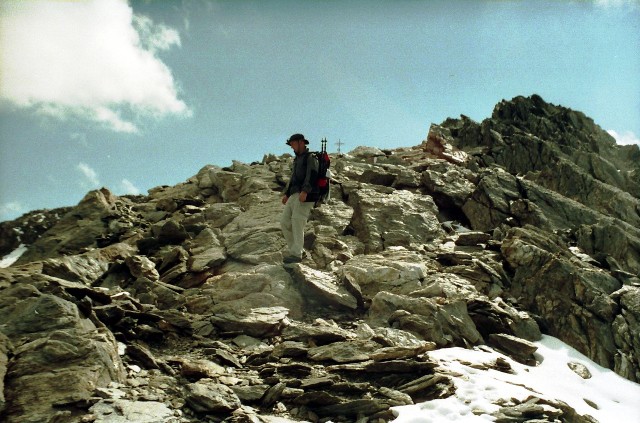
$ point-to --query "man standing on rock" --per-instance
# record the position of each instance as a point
(298, 203)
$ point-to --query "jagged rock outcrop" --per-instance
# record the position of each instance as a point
(27, 229)
(554, 169)
(486, 233)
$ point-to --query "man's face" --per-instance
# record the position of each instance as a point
(297, 145)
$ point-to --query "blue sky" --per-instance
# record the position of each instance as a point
(132, 95)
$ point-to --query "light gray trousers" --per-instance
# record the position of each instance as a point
(294, 218)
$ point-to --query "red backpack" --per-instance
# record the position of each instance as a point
(322, 183)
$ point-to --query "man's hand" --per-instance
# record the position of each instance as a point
(284, 199)
(303, 197)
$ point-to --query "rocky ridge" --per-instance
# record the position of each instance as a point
(175, 307)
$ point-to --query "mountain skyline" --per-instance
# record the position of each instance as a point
(132, 95)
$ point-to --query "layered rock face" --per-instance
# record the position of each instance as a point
(175, 306)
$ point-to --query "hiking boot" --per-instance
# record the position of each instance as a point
(291, 259)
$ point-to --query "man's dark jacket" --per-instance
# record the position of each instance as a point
(304, 174)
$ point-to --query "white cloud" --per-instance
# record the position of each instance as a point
(127, 187)
(155, 37)
(90, 176)
(79, 138)
(92, 59)
(12, 206)
(112, 118)
(624, 138)
(11, 210)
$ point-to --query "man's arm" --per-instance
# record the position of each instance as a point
(285, 192)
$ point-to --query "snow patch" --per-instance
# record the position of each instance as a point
(13, 256)
(477, 390)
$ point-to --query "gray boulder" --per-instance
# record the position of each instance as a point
(446, 323)
(61, 356)
(323, 288)
(207, 396)
(397, 219)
